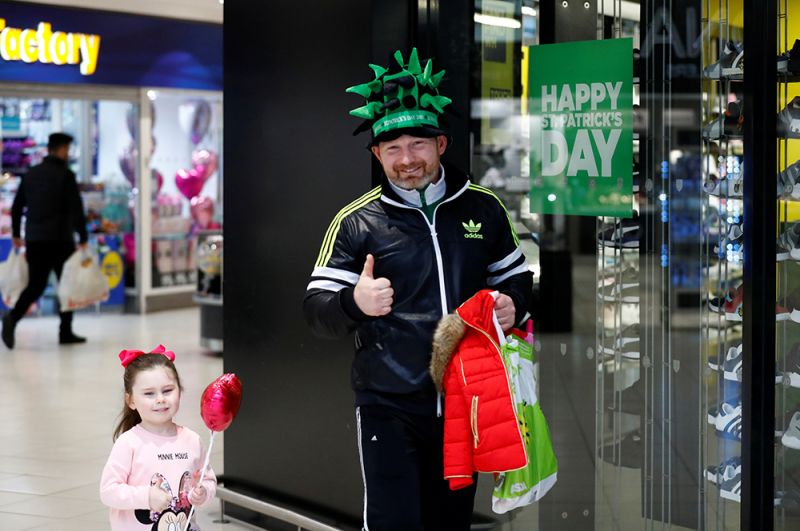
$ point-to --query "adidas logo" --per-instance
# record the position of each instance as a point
(473, 230)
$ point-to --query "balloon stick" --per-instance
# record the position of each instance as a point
(202, 477)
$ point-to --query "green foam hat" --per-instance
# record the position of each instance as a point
(400, 97)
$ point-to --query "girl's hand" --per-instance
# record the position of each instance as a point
(159, 500)
(198, 495)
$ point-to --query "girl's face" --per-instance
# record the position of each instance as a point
(156, 396)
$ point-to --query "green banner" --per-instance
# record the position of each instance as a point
(581, 110)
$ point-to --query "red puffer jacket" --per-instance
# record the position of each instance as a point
(481, 431)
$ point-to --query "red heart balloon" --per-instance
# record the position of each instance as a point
(205, 158)
(190, 182)
(220, 402)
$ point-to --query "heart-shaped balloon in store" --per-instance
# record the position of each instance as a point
(190, 182)
(205, 158)
(194, 117)
(128, 160)
(202, 210)
(157, 182)
(220, 402)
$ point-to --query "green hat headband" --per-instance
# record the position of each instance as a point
(399, 99)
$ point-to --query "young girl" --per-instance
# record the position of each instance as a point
(149, 478)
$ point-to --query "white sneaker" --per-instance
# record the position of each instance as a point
(791, 437)
(729, 420)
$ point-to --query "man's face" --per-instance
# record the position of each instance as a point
(411, 162)
(62, 152)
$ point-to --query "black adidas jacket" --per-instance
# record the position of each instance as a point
(433, 268)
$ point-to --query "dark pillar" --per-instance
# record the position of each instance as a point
(760, 212)
(290, 164)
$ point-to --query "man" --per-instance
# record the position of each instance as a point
(392, 263)
(48, 194)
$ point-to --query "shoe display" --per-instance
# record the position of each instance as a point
(733, 304)
(724, 471)
(730, 186)
(730, 485)
(729, 66)
(789, 62)
(793, 366)
(791, 437)
(622, 235)
(789, 182)
(789, 119)
(731, 244)
(729, 421)
(789, 243)
(622, 288)
(729, 123)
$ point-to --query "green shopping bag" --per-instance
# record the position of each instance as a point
(527, 485)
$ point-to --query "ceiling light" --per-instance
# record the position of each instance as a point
(502, 22)
(528, 11)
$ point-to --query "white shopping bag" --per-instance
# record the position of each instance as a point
(82, 282)
(13, 277)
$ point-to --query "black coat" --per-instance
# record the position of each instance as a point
(49, 197)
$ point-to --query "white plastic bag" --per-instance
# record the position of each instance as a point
(82, 282)
(13, 277)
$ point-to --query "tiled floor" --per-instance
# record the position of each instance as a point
(58, 407)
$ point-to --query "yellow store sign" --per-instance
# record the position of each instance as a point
(43, 45)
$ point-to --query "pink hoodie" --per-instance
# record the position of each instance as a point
(140, 458)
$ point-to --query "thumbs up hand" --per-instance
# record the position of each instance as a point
(373, 296)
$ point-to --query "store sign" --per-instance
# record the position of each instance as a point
(53, 44)
(43, 45)
(581, 108)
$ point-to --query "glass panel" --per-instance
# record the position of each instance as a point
(636, 347)
(104, 159)
(787, 399)
(187, 143)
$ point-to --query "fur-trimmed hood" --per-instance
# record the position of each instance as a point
(477, 312)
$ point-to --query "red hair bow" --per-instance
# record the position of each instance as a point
(127, 356)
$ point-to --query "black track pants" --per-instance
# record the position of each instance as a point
(402, 470)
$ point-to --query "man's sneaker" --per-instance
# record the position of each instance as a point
(793, 366)
(731, 242)
(789, 62)
(730, 63)
(791, 437)
(9, 324)
(723, 471)
(789, 119)
(789, 181)
(789, 244)
(70, 339)
(730, 486)
(627, 344)
(732, 366)
(733, 304)
(792, 303)
(729, 123)
(790, 502)
(729, 421)
(622, 235)
(622, 288)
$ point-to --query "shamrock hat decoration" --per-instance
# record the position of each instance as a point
(401, 97)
